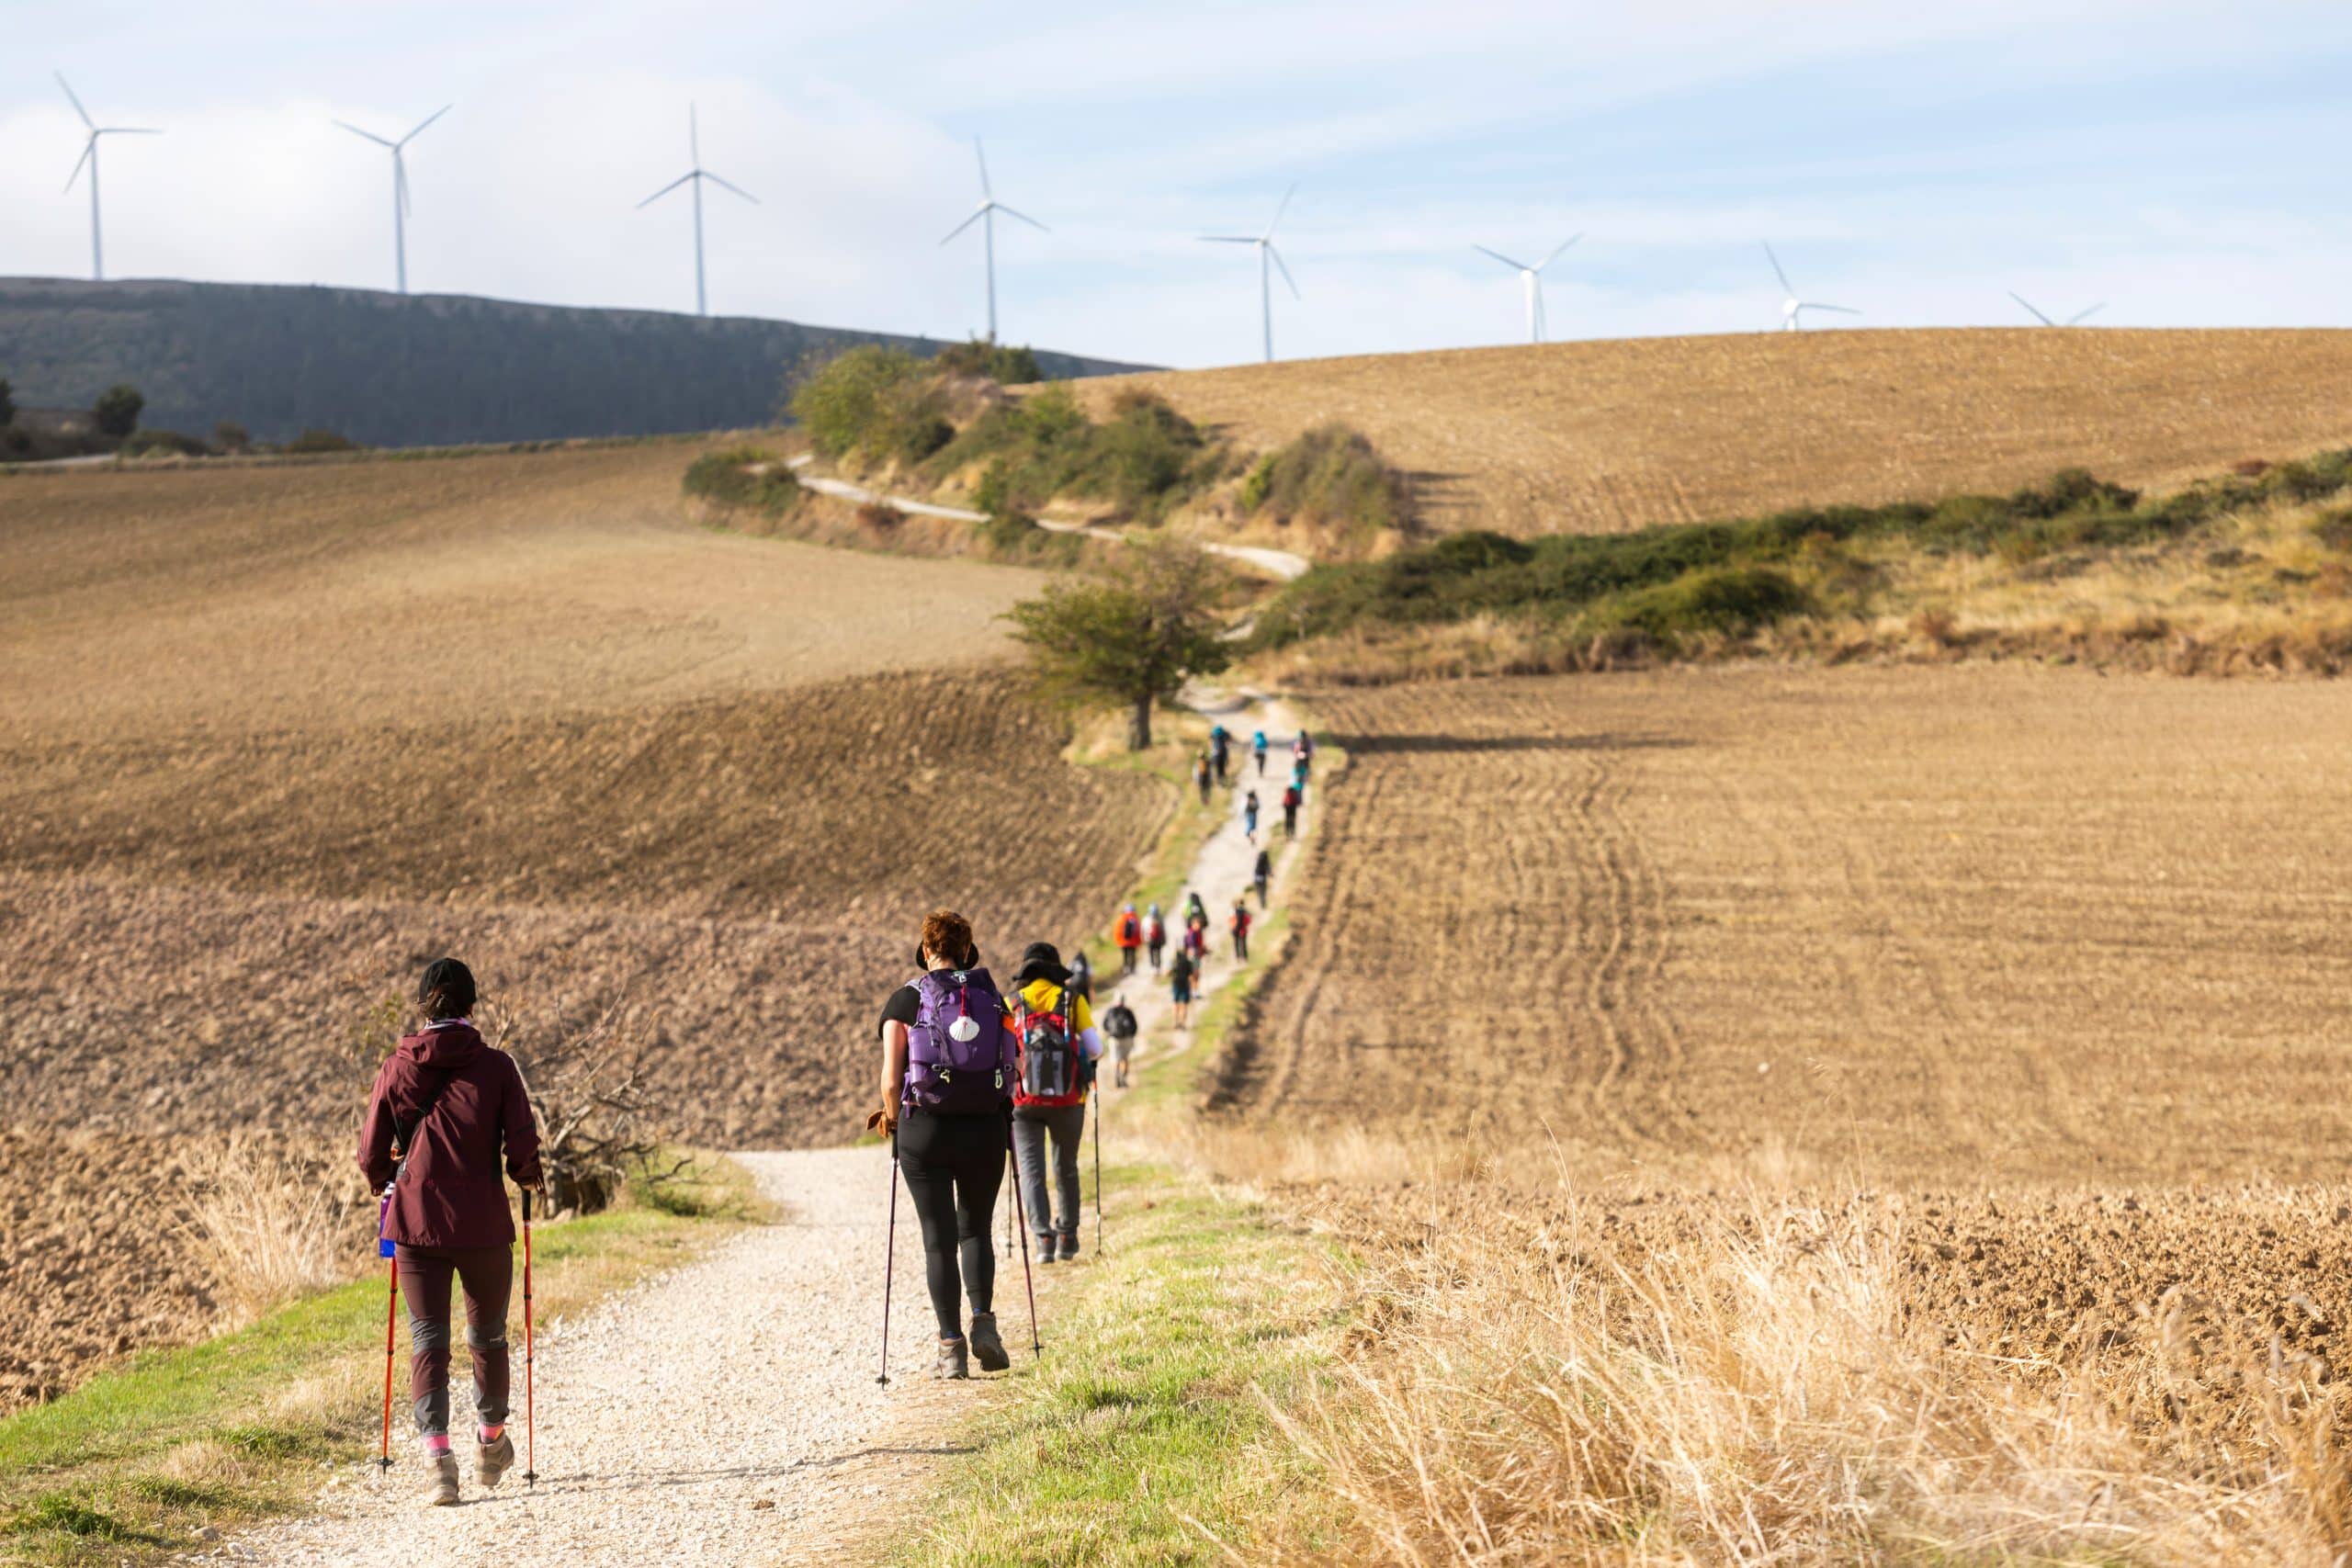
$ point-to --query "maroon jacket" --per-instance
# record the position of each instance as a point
(449, 1192)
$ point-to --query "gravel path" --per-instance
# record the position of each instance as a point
(724, 1413)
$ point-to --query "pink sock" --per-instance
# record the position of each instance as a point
(491, 1434)
(436, 1443)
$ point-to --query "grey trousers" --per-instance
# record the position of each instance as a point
(1031, 1126)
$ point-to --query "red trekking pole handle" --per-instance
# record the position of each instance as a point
(530, 1391)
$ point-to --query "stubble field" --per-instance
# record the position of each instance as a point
(1600, 436)
(275, 736)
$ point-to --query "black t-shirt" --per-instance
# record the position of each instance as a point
(904, 1006)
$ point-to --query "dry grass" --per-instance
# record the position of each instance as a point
(268, 1228)
(1756, 1389)
(1595, 437)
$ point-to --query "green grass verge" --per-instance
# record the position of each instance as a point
(1144, 1434)
(126, 1467)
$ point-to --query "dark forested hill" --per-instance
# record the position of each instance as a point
(395, 371)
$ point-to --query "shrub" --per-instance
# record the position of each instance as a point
(268, 1228)
(322, 441)
(149, 443)
(117, 410)
(880, 516)
(1013, 367)
(861, 402)
(1731, 601)
(7, 403)
(2334, 528)
(230, 436)
(1331, 474)
(919, 436)
(750, 478)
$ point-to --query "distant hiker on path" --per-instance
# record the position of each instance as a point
(1180, 975)
(1201, 776)
(1258, 749)
(1238, 923)
(946, 1095)
(1263, 874)
(1154, 935)
(1120, 1025)
(1291, 798)
(1127, 932)
(1196, 940)
(444, 1110)
(1221, 751)
(1082, 977)
(1194, 909)
(1058, 1046)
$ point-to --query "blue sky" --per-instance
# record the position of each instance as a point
(2180, 160)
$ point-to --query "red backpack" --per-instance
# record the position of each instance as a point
(1052, 1059)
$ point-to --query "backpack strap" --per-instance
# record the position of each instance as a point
(405, 1137)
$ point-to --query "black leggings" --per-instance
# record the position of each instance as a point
(954, 1165)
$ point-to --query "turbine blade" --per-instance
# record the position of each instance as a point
(1841, 309)
(739, 190)
(667, 189)
(694, 136)
(1023, 217)
(982, 154)
(89, 149)
(400, 180)
(977, 213)
(1283, 269)
(1230, 239)
(1556, 254)
(1280, 211)
(77, 102)
(1786, 286)
(1515, 266)
(2030, 306)
(428, 119)
(129, 130)
(368, 134)
(2079, 317)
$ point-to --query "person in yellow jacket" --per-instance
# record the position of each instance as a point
(1059, 1045)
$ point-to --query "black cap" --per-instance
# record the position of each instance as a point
(1041, 961)
(448, 989)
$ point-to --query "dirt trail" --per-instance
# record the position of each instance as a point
(726, 1412)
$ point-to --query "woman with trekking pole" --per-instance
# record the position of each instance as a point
(447, 1112)
(948, 1060)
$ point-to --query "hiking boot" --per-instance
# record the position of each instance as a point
(1044, 1247)
(493, 1461)
(444, 1468)
(954, 1360)
(1069, 1246)
(986, 1345)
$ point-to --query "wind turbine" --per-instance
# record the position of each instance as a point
(2077, 319)
(985, 216)
(1266, 254)
(1532, 278)
(90, 156)
(1792, 309)
(695, 177)
(400, 188)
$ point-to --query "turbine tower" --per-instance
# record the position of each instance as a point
(1266, 254)
(2077, 319)
(400, 189)
(1532, 278)
(90, 156)
(985, 216)
(1792, 309)
(695, 177)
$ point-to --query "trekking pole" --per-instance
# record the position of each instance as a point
(391, 1310)
(890, 1260)
(530, 1388)
(1098, 1178)
(1036, 1346)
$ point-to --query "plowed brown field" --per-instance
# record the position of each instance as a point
(1595, 437)
(274, 737)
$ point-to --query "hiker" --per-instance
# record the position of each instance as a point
(1263, 874)
(1249, 817)
(1221, 750)
(1082, 977)
(1290, 798)
(1180, 975)
(445, 1112)
(1194, 909)
(1303, 747)
(945, 1104)
(1298, 779)
(1258, 749)
(1119, 1023)
(1197, 940)
(1154, 935)
(1201, 776)
(1127, 932)
(1238, 923)
(1058, 1046)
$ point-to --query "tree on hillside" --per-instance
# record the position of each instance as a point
(117, 410)
(1132, 639)
(7, 403)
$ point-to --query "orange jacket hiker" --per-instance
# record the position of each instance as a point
(1128, 929)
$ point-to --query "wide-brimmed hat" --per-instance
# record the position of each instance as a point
(1041, 961)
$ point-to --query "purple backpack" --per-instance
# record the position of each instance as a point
(959, 1053)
